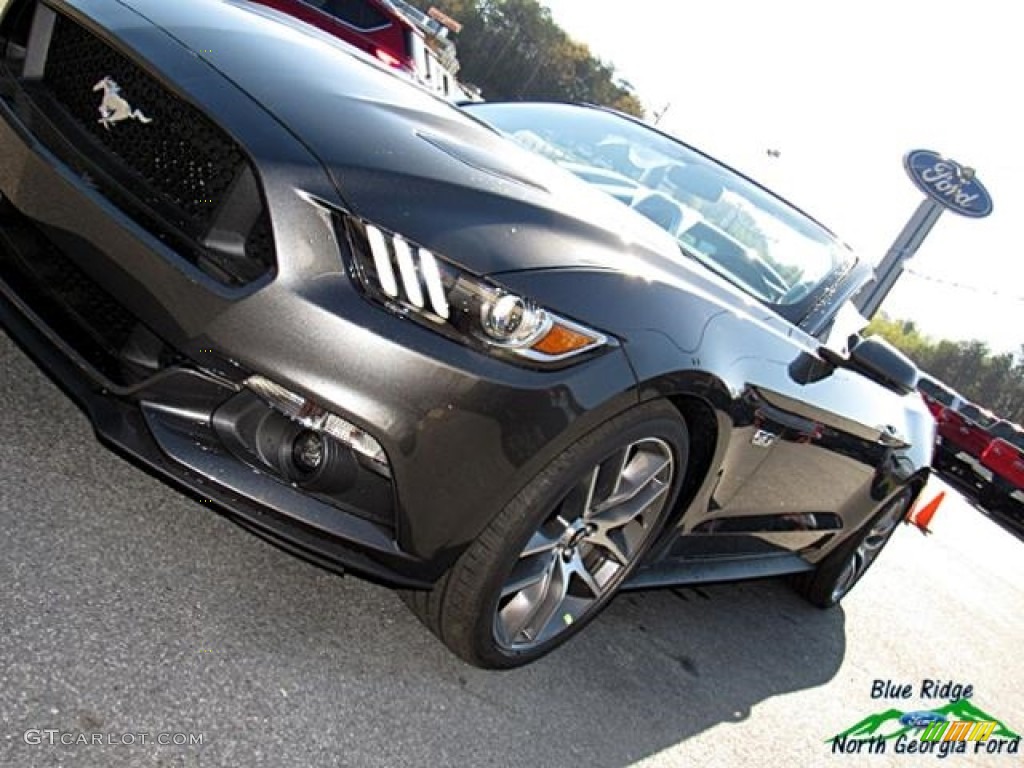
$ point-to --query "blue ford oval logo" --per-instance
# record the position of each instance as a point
(948, 183)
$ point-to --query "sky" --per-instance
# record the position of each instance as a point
(842, 90)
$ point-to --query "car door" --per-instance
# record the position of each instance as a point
(811, 448)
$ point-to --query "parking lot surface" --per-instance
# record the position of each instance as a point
(132, 614)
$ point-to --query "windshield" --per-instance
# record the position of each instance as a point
(935, 391)
(1003, 429)
(1008, 432)
(975, 414)
(731, 225)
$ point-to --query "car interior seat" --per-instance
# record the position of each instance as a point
(662, 210)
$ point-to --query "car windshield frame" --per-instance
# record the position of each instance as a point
(681, 190)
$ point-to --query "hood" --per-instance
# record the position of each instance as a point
(407, 160)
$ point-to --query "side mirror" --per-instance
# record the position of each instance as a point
(879, 360)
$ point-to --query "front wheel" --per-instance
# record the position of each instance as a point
(836, 575)
(557, 553)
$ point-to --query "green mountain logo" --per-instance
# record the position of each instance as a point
(886, 725)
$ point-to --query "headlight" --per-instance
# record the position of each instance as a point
(416, 283)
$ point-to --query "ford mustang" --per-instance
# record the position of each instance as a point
(510, 359)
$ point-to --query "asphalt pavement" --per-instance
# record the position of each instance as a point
(131, 615)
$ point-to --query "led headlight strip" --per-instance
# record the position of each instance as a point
(417, 283)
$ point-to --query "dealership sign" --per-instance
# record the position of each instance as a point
(948, 183)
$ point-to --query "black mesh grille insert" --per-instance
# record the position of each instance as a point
(186, 176)
(180, 153)
(85, 316)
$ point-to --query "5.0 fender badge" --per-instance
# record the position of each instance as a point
(114, 108)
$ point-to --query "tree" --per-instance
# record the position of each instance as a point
(513, 50)
(994, 381)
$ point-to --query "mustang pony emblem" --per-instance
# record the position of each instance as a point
(114, 108)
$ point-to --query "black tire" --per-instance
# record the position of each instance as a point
(990, 498)
(832, 580)
(465, 608)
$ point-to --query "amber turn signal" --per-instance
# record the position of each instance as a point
(560, 340)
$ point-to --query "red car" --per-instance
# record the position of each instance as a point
(937, 396)
(963, 437)
(390, 30)
(1001, 467)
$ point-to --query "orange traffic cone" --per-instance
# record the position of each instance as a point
(924, 515)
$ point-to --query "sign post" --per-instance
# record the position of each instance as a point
(946, 185)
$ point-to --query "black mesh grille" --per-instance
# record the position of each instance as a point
(165, 154)
(83, 297)
(83, 314)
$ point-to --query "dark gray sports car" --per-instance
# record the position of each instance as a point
(510, 358)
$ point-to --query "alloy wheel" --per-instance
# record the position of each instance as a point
(581, 551)
(869, 547)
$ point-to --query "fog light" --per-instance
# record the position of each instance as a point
(308, 451)
(318, 420)
(319, 463)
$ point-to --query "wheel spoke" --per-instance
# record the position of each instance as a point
(557, 616)
(615, 471)
(541, 541)
(588, 502)
(547, 607)
(644, 467)
(846, 579)
(537, 609)
(872, 543)
(626, 511)
(528, 572)
(592, 535)
(603, 540)
(859, 565)
(576, 567)
(881, 530)
(535, 605)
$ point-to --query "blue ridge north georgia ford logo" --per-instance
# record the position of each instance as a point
(948, 183)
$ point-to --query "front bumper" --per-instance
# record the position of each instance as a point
(463, 432)
(458, 448)
(975, 466)
(326, 536)
(162, 421)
